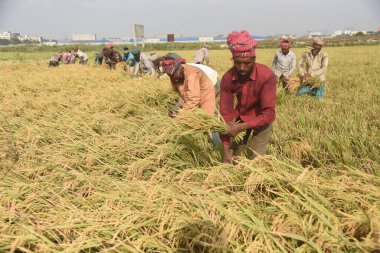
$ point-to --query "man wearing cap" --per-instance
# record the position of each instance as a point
(201, 56)
(313, 64)
(284, 63)
(254, 86)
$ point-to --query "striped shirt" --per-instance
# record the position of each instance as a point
(284, 64)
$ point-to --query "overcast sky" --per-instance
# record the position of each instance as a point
(58, 19)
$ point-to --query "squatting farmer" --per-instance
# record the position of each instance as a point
(313, 64)
(284, 63)
(110, 56)
(254, 86)
(128, 58)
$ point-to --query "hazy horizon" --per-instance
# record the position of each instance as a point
(59, 19)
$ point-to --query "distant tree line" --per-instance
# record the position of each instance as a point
(373, 39)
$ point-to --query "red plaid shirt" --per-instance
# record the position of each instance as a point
(256, 98)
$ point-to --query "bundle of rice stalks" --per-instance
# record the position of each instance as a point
(198, 120)
(313, 82)
(293, 84)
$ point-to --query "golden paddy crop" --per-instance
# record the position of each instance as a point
(90, 162)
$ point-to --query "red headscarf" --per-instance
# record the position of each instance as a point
(241, 44)
(171, 65)
(285, 44)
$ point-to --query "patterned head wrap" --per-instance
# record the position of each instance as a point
(285, 44)
(171, 64)
(241, 44)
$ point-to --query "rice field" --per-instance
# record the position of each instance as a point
(90, 162)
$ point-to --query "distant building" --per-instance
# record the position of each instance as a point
(49, 43)
(285, 36)
(315, 34)
(337, 33)
(30, 38)
(353, 33)
(7, 35)
(341, 32)
(206, 39)
(155, 40)
(82, 37)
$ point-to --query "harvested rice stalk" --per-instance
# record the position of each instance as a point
(293, 84)
(313, 81)
(199, 120)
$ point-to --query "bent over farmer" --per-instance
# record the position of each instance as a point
(201, 56)
(195, 85)
(254, 86)
(314, 64)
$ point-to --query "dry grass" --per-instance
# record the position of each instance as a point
(90, 162)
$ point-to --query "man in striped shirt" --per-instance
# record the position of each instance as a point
(284, 63)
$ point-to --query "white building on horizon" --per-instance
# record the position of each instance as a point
(81, 37)
(27, 37)
(8, 35)
(315, 34)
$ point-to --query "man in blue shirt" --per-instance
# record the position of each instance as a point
(128, 57)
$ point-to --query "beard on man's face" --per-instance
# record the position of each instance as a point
(244, 76)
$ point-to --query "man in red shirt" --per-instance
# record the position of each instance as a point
(254, 86)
